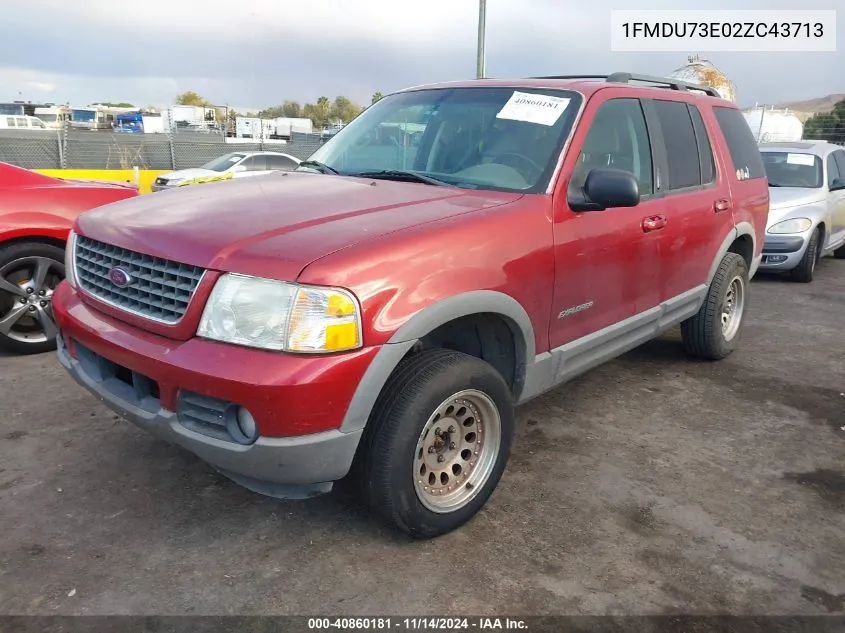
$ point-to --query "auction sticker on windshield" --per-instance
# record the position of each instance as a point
(533, 108)
(801, 159)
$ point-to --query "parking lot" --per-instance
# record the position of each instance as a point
(651, 485)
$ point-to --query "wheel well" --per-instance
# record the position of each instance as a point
(38, 239)
(488, 336)
(822, 235)
(744, 247)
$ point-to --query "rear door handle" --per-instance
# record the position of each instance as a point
(654, 223)
(722, 204)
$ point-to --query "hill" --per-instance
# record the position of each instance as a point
(807, 108)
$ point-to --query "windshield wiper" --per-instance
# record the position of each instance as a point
(321, 167)
(400, 174)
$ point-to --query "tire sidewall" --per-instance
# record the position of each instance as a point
(735, 268)
(470, 374)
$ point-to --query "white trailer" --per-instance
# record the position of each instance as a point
(283, 126)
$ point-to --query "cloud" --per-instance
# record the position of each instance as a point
(265, 51)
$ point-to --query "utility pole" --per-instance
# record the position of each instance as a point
(482, 33)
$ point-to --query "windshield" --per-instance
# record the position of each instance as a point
(47, 118)
(793, 169)
(223, 162)
(503, 139)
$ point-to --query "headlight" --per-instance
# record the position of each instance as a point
(795, 225)
(70, 247)
(282, 316)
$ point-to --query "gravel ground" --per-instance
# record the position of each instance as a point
(651, 485)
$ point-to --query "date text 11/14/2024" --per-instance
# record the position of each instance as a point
(415, 624)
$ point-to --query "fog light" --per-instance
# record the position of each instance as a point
(776, 259)
(246, 424)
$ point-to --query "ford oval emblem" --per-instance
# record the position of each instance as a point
(120, 277)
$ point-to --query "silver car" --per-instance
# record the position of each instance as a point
(807, 210)
(239, 164)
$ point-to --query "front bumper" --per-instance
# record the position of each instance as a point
(784, 252)
(143, 378)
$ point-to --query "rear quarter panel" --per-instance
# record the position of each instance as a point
(749, 197)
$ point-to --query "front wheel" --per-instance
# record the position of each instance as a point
(29, 273)
(803, 272)
(437, 443)
(714, 331)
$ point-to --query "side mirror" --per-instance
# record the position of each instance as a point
(606, 188)
(238, 168)
(838, 184)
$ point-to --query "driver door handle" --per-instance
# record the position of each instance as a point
(654, 223)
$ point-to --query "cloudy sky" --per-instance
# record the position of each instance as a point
(260, 52)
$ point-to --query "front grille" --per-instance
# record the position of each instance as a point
(159, 289)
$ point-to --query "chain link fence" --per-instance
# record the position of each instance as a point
(102, 149)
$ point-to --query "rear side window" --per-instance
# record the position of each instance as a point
(679, 139)
(10, 121)
(745, 155)
(705, 149)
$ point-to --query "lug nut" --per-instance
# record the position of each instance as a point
(32, 308)
(29, 291)
(451, 429)
(452, 445)
(23, 299)
(431, 449)
(43, 304)
(42, 292)
(437, 432)
(440, 458)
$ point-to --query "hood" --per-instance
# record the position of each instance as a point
(189, 173)
(274, 226)
(786, 197)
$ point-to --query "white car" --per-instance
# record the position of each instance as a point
(239, 164)
(19, 122)
(807, 208)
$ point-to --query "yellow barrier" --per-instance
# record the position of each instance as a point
(145, 176)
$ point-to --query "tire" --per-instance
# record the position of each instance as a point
(704, 335)
(26, 319)
(803, 272)
(392, 472)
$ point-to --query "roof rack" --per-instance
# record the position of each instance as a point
(625, 78)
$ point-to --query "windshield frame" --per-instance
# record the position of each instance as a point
(818, 163)
(225, 160)
(543, 184)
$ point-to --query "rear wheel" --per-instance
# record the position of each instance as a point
(437, 443)
(714, 331)
(29, 273)
(803, 272)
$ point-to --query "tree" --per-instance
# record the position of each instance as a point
(827, 126)
(191, 98)
(344, 110)
(292, 109)
(109, 104)
(323, 109)
(377, 96)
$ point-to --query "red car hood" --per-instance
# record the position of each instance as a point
(276, 225)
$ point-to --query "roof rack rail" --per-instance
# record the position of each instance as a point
(625, 78)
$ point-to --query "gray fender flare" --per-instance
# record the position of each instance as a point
(743, 228)
(430, 318)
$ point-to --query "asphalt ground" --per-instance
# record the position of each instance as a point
(651, 485)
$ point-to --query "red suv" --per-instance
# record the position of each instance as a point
(453, 252)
